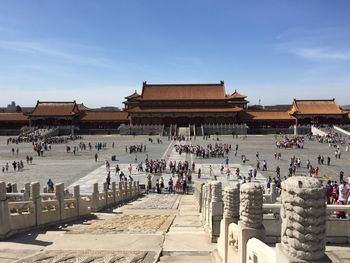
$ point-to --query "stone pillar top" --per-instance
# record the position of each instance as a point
(213, 183)
(230, 188)
(301, 184)
(216, 191)
(303, 214)
(95, 187)
(231, 202)
(76, 191)
(34, 190)
(60, 189)
(251, 187)
(251, 203)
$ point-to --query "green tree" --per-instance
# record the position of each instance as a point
(18, 108)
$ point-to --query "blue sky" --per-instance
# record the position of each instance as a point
(98, 52)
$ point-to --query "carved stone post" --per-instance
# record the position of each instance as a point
(125, 192)
(36, 198)
(231, 215)
(208, 214)
(216, 210)
(77, 197)
(4, 212)
(94, 198)
(251, 217)
(26, 194)
(114, 190)
(273, 193)
(137, 187)
(60, 198)
(303, 213)
(133, 188)
(130, 190)
(120, 192)
(200, 189)
(204, 203)
(105, 190)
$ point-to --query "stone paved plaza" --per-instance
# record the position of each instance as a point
(81, 168)
(153, 228)
(65, 167)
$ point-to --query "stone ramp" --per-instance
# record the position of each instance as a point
(186, 240)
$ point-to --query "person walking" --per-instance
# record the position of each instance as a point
(264, 165)
(158, 187)
(50, 186)
(170, 186)
(149, 183)
(184, 187)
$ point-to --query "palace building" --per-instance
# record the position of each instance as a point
(184, 104)
(178, 105)
(317, 111)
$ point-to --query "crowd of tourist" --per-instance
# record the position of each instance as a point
(38, 136)
(293, 142)
(218, 150)
(135, 148)
(17, 166)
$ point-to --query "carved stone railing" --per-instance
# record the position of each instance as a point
(52, 208)
(13, 197)
(22, 215)
(300, 199)
(337, 229)
(48, 196)
(21, 207)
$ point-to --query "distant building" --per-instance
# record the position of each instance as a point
(178, 105)
(317, 112)
(184, 104)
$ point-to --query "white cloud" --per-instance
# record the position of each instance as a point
(322, 54)
(329, 44)
(67, 55)
(96, 96)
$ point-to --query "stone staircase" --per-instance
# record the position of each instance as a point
(184, 131)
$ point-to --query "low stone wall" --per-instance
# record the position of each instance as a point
(97, 131)
(155, 129)
(25, 211)
(224, 129)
